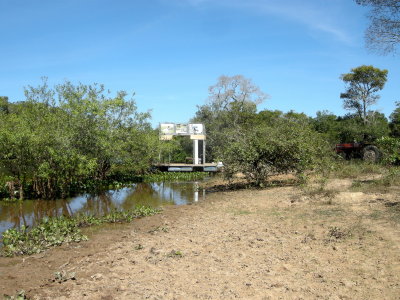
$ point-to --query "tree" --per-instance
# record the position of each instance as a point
(378, 126)
(60, 139)
(232, 102)
(395, 121)
(362, 83)
(236, 94)
(351, 127)
(383, 34)
(4, 104)
(327, 124)
(268, 117)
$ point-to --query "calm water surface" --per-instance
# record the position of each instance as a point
(30, 212)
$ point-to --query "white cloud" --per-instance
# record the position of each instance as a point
(321, 16)
(316, 18)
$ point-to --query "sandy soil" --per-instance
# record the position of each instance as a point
(277, 243)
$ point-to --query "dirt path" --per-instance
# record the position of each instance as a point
(252, 244)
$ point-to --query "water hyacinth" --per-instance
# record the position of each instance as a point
(175, 176)
(52, 232)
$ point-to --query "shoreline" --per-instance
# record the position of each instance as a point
(249, 244)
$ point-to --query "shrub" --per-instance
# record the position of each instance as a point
(390, 148)
(286, 146)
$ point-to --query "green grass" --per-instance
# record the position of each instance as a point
(331, 212)
(175, 254)
(366, 177)
(355, 168)
(390, 178)
(241, 212)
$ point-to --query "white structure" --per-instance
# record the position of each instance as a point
(195, 131)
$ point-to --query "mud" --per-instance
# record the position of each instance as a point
(276, 243)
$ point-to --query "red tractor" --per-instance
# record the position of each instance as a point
(366, 151)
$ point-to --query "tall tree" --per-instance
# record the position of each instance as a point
(383, 34)
(362, 84)
(235, 93)
(231, 103)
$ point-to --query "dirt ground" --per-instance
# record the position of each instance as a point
(276, 243)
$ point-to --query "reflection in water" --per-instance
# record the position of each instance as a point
(29, 212)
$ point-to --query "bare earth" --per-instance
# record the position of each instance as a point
(276, 243)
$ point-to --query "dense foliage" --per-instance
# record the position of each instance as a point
(390, 147)
(72, 138)
(395, 121)
(59, 138)
(351, 127)
(289, 145)
(268, 142)
(232, 102)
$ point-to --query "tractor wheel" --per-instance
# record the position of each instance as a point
(371, 154)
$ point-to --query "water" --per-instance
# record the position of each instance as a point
(30, 212)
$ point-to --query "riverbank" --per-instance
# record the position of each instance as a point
(154, 194)
(252, 244)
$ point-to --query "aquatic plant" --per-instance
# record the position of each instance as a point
(175, 176)
(50, 232)
(56, 231)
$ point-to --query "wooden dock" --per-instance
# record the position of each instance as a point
(181, 167)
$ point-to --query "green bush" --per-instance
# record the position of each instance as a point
(69, 137)
(288, 145)
(390, 148)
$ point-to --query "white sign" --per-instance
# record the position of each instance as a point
(196, 129)
(167, 128)
(181, 129)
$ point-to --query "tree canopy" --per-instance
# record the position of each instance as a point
(383, 34)
(362, 84)
(232, 102)
(60, 138)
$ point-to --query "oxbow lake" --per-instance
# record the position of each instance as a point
(30, 212)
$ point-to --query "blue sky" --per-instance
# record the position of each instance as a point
(168, 52)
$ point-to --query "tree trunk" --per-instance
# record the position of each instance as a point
(364, 111)
(21, 189)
